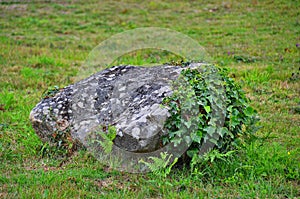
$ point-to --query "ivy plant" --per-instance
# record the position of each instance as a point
(213, 91)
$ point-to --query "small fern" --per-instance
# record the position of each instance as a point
(159, 166)
(107, 139)
(211, 157)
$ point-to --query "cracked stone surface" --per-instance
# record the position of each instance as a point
(127, 97)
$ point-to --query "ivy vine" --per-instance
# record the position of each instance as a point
(240, 119)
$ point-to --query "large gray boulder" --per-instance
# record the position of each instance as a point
(126, 97)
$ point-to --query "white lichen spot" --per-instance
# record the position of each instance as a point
(80, 104)
(136, 132)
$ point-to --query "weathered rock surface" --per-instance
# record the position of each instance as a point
(126, 97)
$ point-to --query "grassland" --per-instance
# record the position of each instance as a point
(44, 44)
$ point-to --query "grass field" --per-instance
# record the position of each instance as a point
(44, 44)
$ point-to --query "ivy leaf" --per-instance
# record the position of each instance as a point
(188, 139)
(249, 111)
(176, 133)
(196, 136)
(207, 109)
(188, 123)
(223, 131)
(165, 140)
(234, 121)
(214, 141)
(229, 109)
(176, 141)
(210, 130)
(192, 152)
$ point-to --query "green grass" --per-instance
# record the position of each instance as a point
(42, 45)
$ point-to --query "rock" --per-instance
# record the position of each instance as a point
(126, 97)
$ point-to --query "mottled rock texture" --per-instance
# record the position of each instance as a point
(126, 97)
